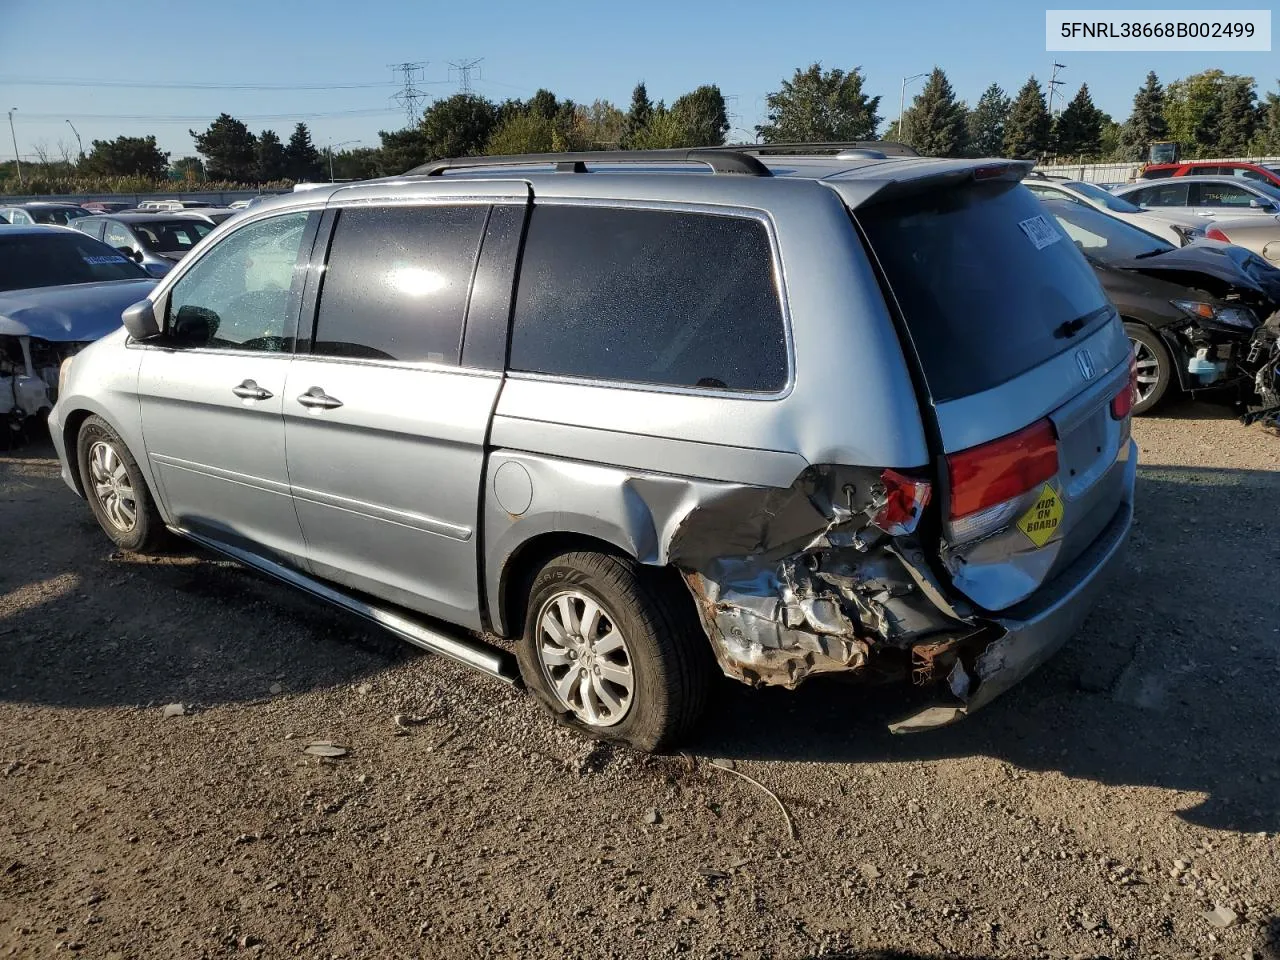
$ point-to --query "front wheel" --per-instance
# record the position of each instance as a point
(115, 489)
(614, 649)
(1155, 367)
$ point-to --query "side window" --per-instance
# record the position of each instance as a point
(117, 235)
(1222, 195)
(20, 217)
(1250, 174)
(645, 296)
(396, 283)
(1171, 194)
(240, 294)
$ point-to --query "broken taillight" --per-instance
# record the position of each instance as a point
(904, 501)
(1213, 233)
(1122, 403)
(988, 481)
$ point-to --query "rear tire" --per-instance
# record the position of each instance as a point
(116, 490)
(1155, 367)
(614, 650)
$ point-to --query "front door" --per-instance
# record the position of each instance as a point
(385, 430)
(212, 391)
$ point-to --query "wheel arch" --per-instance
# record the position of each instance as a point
(1177, 354)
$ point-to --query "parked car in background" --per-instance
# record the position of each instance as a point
(106, 206)
(59, 290)
(1179, 229)
(902, 490)
(1211, 197)
(1259, 234)
(238, 204)
(213, 215)
(1213, 168)
(156, 240)
(173, 204)
(1190, 312)
(40, 212)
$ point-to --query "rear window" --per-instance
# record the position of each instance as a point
(647, 296)
(48, 260)
(986, 281)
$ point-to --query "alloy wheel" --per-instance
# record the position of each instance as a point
(585, 658)
(1148, 369)
(112, 487)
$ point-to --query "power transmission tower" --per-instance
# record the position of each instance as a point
(1054, 84)
(410, 97)
(465, 69)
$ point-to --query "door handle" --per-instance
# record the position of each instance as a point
(249, 390)
(317, 399)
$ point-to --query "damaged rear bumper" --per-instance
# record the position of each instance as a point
(1036, 629)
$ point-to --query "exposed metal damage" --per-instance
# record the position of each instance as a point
(28, 380)
(815, 584)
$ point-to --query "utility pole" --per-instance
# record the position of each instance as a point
(464, 68)
(409, 96)
(1054, 84)
(902, 105)
(79, 142)
(16, 160)
(329, 149)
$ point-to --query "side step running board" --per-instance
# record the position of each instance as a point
(473, 653)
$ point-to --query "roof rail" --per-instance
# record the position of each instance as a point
(802, 148)
(718, 159)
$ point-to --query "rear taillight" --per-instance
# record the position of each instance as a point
(1213, 233)
(988, 481)
(904, 500)
(1122, 403)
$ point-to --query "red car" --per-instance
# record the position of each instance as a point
(1222, 168)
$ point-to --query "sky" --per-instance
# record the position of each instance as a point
(327, 63)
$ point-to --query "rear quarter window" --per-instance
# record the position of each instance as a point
(649, 297)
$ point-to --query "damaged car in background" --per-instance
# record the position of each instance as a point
(59, 290)
(1190, 312)
(658, 413)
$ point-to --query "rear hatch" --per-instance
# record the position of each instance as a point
(1026, 366)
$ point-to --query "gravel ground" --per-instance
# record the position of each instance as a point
(1123, 802)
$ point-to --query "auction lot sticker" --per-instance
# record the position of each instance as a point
(1041, 522)
(1129, 30)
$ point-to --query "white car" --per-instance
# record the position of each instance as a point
(1178, 229)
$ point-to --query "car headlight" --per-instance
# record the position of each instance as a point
(64, 370)
(1241, 317)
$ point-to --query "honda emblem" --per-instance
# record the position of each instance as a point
(1085, 362)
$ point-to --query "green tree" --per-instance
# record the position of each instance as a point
(190, 169)
(638, 116)
(1026, 132)
(819, 105)
(703, 117)
(362, 163)
(663, 131)
(1266, 138)
(126, 157)
(529, 132)
(1111, 142)
(935, 122)
(1077, 130)
(986, 122)
(271, 161)
(229, 149)
(1146, 124)
(401, 150)
(601, 126)
(1237, 119)
(458, 126)
(302, 161)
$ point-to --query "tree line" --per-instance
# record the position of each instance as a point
(1211, 113)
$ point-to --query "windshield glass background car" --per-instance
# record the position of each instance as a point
(35, 260)
(1107, 199)
(171, 235)
(1101, 236)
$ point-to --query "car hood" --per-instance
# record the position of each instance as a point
(1223, 261)
(77, 312)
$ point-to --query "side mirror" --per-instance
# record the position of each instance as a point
(140, 321)
(1257, 203)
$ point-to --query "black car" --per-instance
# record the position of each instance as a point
(1190, 312)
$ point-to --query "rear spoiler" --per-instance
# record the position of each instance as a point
(903, 179)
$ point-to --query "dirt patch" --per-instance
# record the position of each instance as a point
(1124, 802)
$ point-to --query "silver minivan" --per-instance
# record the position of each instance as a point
(604, 423)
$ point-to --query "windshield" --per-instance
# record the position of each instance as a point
(56, 215)
(38, 260)
(1270, 189)
(1102, 237)
(170, 236)
(984, 281)
(1108, 200)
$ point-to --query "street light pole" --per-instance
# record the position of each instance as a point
(79, 142)
(330, 150)
(16, 160)
(902, 105)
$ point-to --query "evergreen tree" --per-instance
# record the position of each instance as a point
(1237, 118)
(229, 150)
(271, 163)
(458, 126)
(1267, 136)
(1078, 128)
(1026, 132)
(987, 122)
(819, 105)
(127, 157)
(638, 116)
(935, 124)
(1146, 124)
(301, 158)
